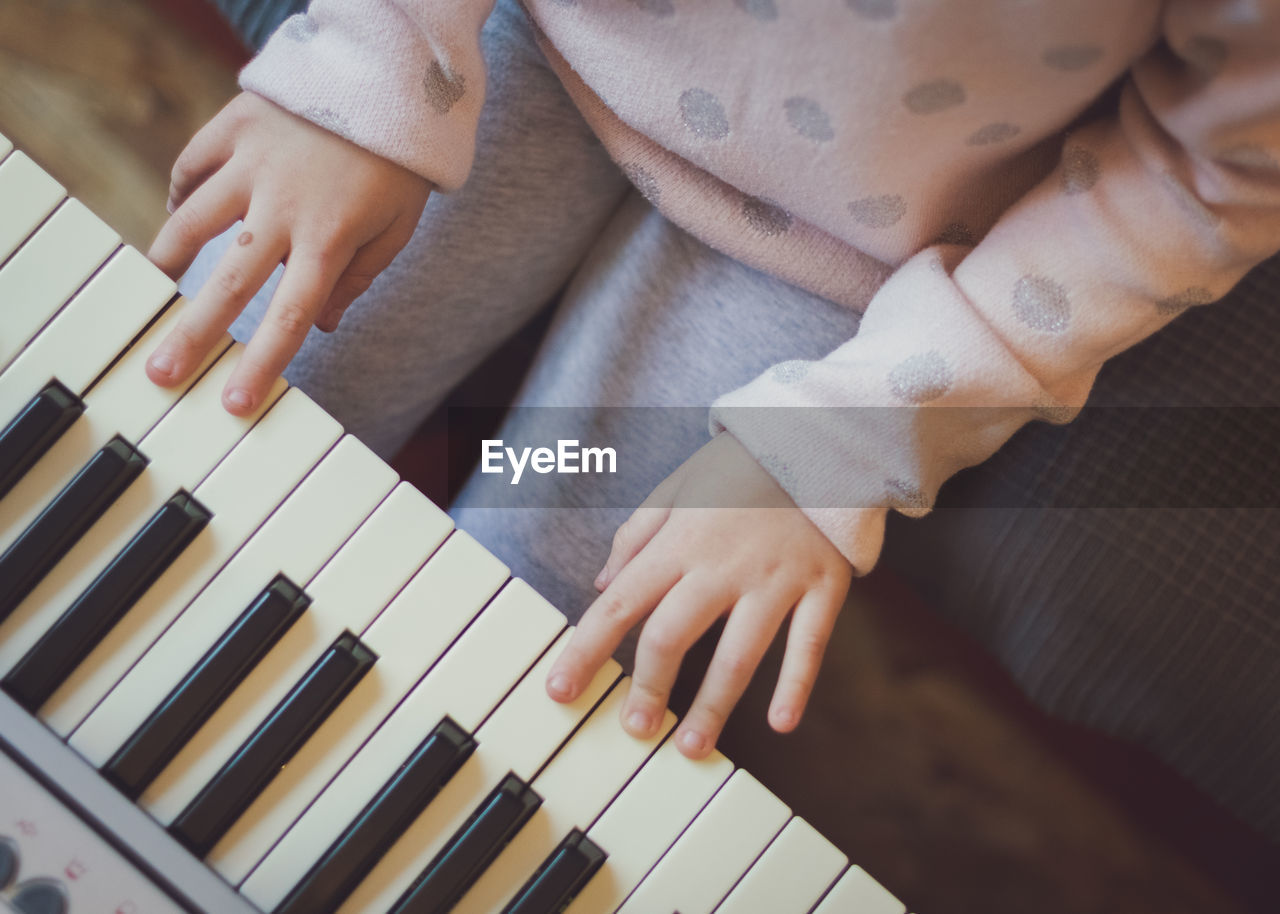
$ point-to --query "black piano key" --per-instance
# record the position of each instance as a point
(270, 747)
(560, 878)
(34, 430)
(192, 702)
(370, 835)
(104, 602)
(60, 525)
(475, 845)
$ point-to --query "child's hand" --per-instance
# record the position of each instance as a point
(683, 566)
(334, 212)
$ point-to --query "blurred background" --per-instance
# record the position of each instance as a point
(961, 798)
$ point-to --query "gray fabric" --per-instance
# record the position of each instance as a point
(255, 20)
(1161, 623)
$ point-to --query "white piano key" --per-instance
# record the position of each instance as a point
(858, 893)
(29, 194)
(587, 773)
(714, 851)
(296, 541)
(790, 875)
(408, 637)
(44, 273)
(183, 448)
(518, 738)
(347, 594)
(90, 331)
(5, 146)
(124, 402)
(645, 819)
(241, 492)
(471, 678)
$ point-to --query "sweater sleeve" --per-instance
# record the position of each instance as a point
(401, 78)
(1162, 205)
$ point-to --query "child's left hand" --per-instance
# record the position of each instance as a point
(682, 565)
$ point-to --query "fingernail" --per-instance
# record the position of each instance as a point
(602, 579)
(168, 205)
(639, 723)
(692, 741)
(163, 365)
(786, 718)
(561, 687)
(240, 399)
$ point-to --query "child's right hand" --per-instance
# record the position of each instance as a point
(335, 213)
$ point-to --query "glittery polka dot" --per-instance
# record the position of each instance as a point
(328, 119)
(703, 114)
(920, 378)
(874, 9)
(1251, 155)
(1056, 413)
(763, 10)
(781, 472)
(906, 498)
(808, 118)
(1206, 55)
(878, 212)
(301, 28)
(443, 89)
(1190, 203)
(1041, 304)
(1080, 170)
(766, 218)
(1072, 57)
(644, 182)
(937, 95)
(656, 7)
(957, 233)
(996, 132)
(790, 372)
(1187, 298)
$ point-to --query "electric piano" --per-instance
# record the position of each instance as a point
(244, 668)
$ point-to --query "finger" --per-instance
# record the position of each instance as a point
(747, 635)
(642, 526)
(632, 536)
(246, 265)
(307, 279)
(207, 151)
(209, 212)
(615, 612)
(365, 266)
(811, 625)
(684, 614)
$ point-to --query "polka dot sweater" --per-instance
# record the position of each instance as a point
(1011, 191)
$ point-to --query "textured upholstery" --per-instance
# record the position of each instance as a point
(1126, 567)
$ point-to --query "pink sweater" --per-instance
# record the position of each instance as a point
(1028, 224)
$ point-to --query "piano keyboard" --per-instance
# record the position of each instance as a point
(243, 668)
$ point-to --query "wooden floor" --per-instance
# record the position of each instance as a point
(104, 95)
(967, 801)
